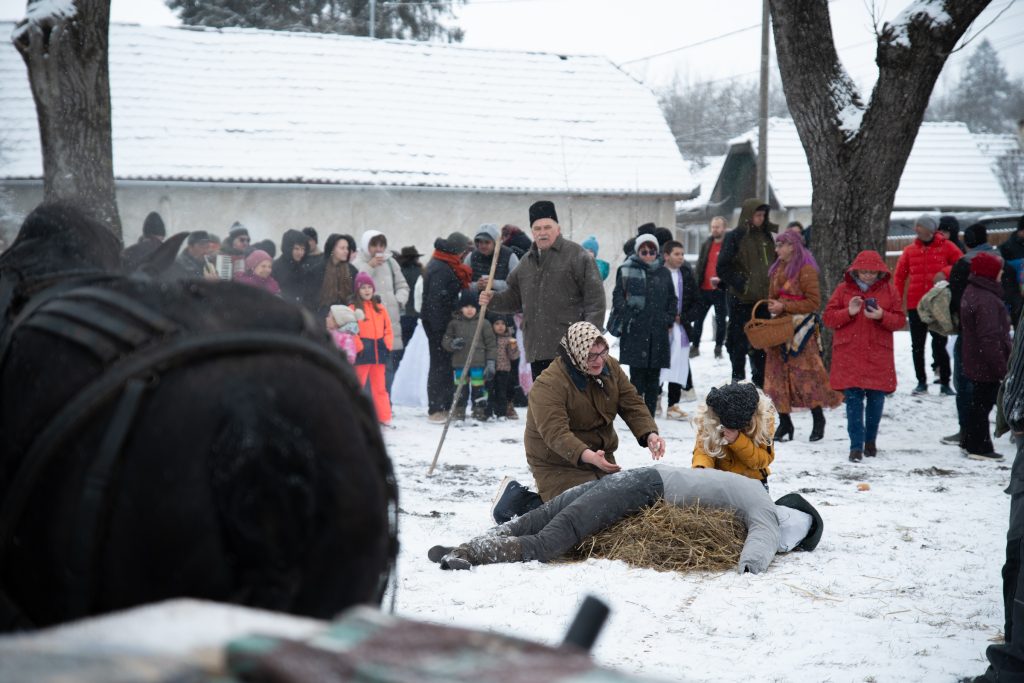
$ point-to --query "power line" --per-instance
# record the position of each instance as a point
(687, 47)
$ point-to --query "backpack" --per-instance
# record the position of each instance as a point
(933, 309)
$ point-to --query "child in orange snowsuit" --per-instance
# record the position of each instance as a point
(376, 335)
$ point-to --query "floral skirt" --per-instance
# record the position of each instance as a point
(799, 381)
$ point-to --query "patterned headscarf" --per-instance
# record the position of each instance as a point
(577, 342)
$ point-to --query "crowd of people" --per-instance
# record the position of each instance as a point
(542, 283)
(488, 304)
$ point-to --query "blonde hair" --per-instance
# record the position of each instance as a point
(761, 429)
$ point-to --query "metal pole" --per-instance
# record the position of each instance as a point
(469, 357)
(761, 188)
(373, 17)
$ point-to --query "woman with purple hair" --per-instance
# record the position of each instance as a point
(794, 376)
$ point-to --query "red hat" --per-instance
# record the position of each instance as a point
(986, 265)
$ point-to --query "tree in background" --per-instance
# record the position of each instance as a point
(408, 19)
(64, 46)
(856, 151)
(704, 115)
(985, 98)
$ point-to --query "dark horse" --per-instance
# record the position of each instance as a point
(175, 439)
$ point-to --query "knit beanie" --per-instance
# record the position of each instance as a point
(986, 265)
(468, 298)
(365, 279)
(645, 239)
(590, 244)
(255, 258)
(975, 235)
(926, 222)
(734, 404)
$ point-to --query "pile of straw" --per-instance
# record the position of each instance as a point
(669, 538)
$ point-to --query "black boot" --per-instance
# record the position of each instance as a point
(785, 430)
(818, 426)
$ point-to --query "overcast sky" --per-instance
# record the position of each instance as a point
(627, 32)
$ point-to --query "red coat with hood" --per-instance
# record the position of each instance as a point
(920, 262)
(862, 354)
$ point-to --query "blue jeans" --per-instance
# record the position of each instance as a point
(863, 413)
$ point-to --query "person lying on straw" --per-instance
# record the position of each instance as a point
(548, 532)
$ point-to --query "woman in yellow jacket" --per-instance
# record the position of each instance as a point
(735, 431)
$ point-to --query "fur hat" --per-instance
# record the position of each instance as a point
(590, 244)
(734, 404)
(949, 224)
(975, 235)
(664, 235)
(255, 258)
(344, 315)
(926, 222)
(798, 502)
(153, 226)
(365, 279)
(646, 229)
(542, 209)
(468, 298)
(986, 265)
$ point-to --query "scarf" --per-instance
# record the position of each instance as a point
(337, 285)
(461, 270)
(577, 342)
(634, 282)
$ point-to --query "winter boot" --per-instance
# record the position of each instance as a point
(459, 413)
(855, 455)
(510, 412)
(818, 426)
(480, 413)
(785, 428)
(870, 450)
(483, 550)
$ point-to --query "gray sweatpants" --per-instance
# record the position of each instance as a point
(551, 530)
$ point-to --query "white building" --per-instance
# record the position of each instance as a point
(283, 130)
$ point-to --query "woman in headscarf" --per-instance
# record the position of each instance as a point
(794, 376)
(570, 437)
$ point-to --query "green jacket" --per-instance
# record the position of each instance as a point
(747, 253)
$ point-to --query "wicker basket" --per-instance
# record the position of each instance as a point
(764, 333)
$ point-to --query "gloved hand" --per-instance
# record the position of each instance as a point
(459, 343)
(489, 369)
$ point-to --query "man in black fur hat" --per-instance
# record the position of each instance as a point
(556, 284)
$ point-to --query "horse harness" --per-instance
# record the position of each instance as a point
(135, 344)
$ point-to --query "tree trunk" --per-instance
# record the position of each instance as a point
(65, 47)
(857, 153)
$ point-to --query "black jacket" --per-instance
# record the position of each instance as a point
(645, 339)
(441, 289)
(300, 281)
(1012, 251)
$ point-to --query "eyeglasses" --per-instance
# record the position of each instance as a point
(648, 252)
(591, 357)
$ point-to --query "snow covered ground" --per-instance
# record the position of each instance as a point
(905, 584)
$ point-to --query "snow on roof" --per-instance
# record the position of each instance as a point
(945, 168)
(247, 105)
(707, 178)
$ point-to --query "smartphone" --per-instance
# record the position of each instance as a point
(871, 303)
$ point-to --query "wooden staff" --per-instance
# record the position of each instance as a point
(469, 357)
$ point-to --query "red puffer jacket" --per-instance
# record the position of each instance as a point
(862, 355)
(920, 262)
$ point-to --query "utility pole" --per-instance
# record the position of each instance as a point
(761, 188)
(373, 17)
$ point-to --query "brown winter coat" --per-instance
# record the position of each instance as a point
(554, 289)
(564, 420)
